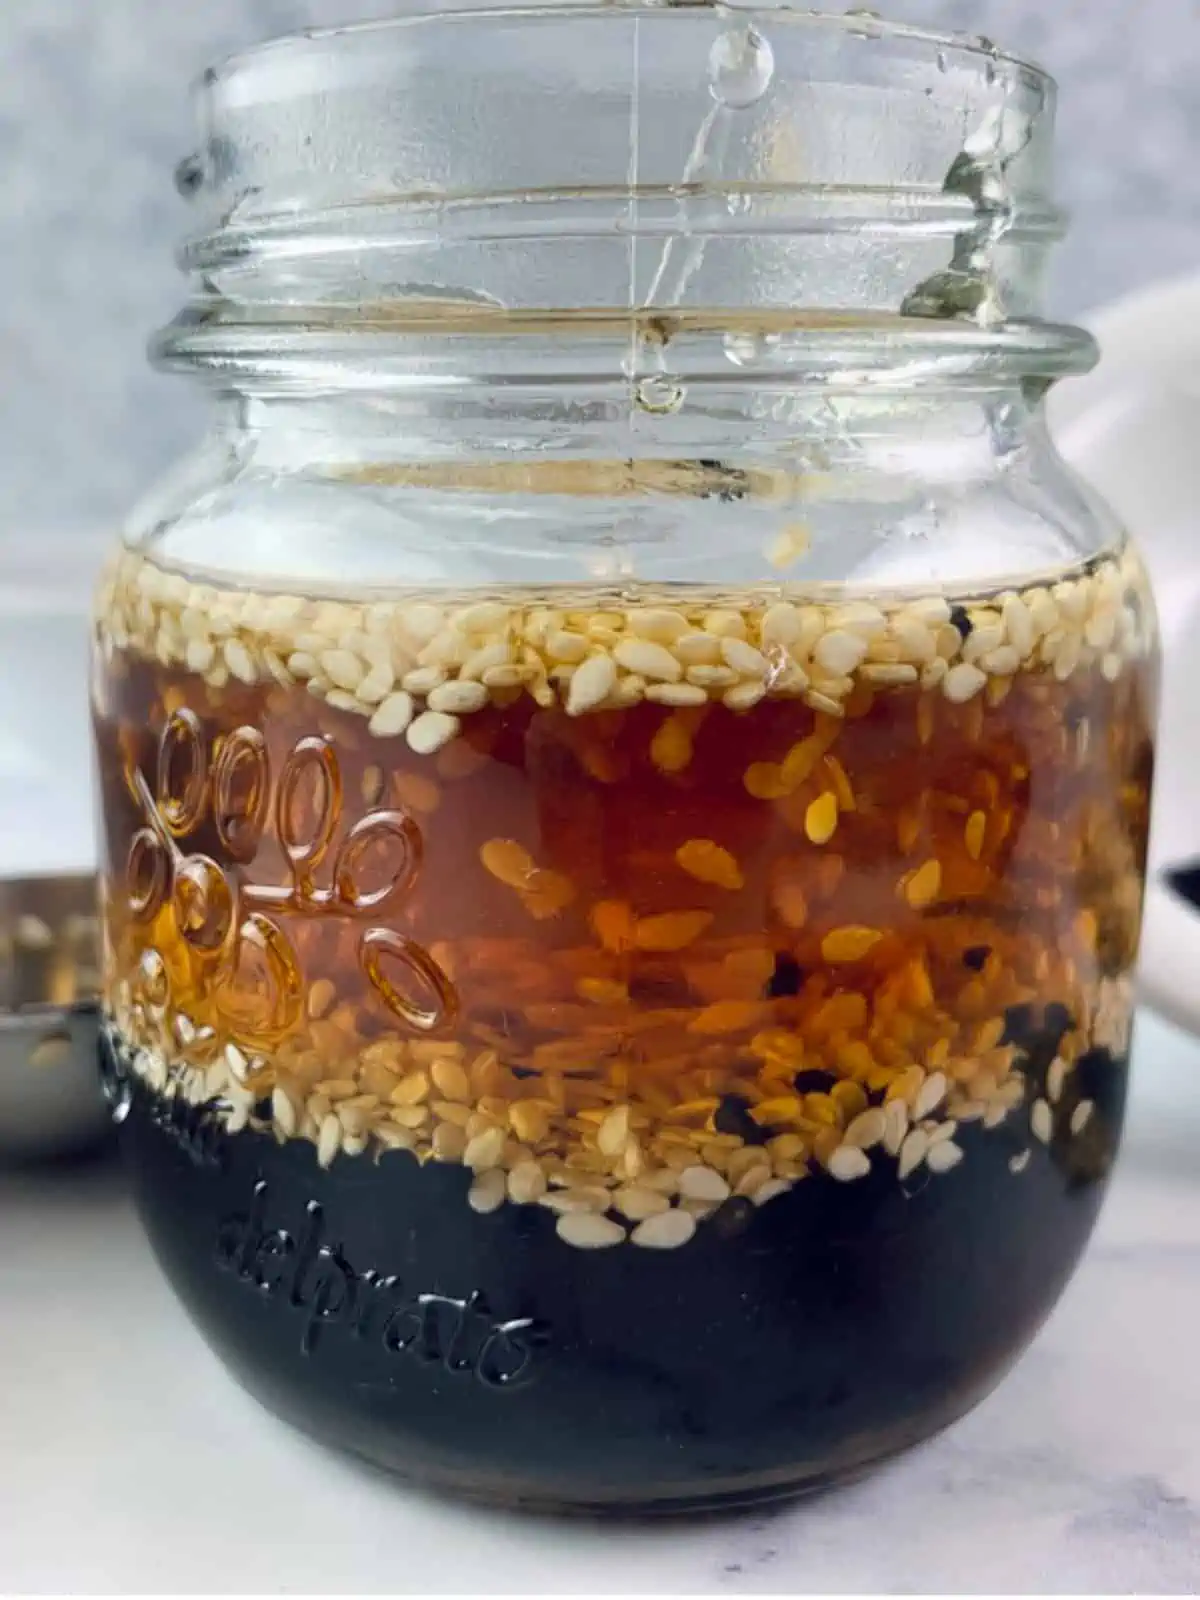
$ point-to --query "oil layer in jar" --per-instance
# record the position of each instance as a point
(638, 909)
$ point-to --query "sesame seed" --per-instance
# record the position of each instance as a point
(975, 833)
(709, 862)
(943, 1156)
(780, 625)
(284, 1111)
(508, 861)
(236, 1062)
(771, 1190)
(488, 1191)
(423, 680)
(613, 1133)
(329, 1140)
(200, 655)
(665, 1230)
(376, 686)
(744, 658)
(963, 682)
(921, 888)
(849, 944)
(341, 667)
(703, 1183)
(867, 1129)
(1082, 1115)
(526, 1183)
(449, 1141)
(587, 1231)
(568, 647)
(889, 672)
(591, 684)
(743, 696)
(458, 698)
(239, 662)
(488, 658)
(930, 1095)
(528, 1121)
(484, 1150)
(648, 660)
(698, 649)
(673, 930)
(637, 1202)
(848, 1162)
(912, 1152)
(410, 1090)
(1003, 661)
(821, 818)
(1041, 1120)
(663, 626)
(430, 731)
(706, 677)
(485, 616)
(1019, 1162)
(1018, 624)
(840, 651)
(676, 694)
(451, 1080)
(671, 747)
(895, 1115)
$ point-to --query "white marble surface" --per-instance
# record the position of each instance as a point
(129, 1463)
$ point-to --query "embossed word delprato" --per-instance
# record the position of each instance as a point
(331, 1296)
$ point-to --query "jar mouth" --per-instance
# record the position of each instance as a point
(863, 23)
(581, 163)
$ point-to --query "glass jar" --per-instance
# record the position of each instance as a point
(626, 754)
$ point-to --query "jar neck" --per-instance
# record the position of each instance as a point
(902, 486)
(767, 441)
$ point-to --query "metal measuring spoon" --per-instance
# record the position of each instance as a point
(50, 1098)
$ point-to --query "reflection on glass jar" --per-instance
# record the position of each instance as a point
(629, 908)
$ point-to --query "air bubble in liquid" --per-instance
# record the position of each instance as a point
(741, 64)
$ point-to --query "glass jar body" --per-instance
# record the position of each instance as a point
(621, 1042)
(622, 868)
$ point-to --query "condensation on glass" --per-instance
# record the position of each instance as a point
(625, 754)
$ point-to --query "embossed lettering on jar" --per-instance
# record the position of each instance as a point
(625, 756)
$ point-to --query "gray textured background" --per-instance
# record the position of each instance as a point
(93, 115)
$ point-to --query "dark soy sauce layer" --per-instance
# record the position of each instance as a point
(781, 1348)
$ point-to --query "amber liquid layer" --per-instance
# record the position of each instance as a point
(674, 910)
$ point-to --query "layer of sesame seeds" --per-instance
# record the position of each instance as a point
(613, 1171)
(418, 665)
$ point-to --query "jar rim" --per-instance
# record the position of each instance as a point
(863, 22)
